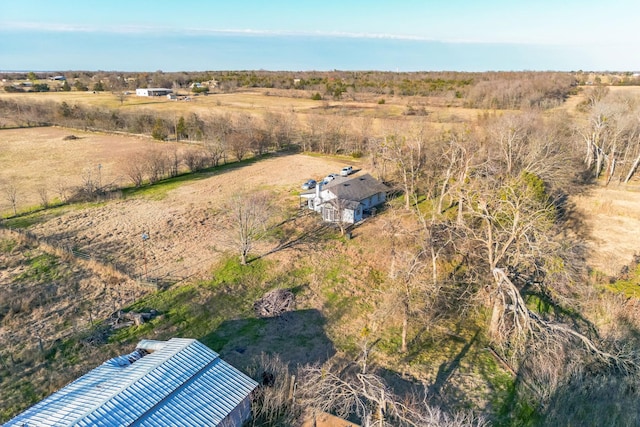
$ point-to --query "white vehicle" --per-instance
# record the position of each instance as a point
(327, 179)
(346, 171)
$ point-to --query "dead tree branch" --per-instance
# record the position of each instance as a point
(512, 320)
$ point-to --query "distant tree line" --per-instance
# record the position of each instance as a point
(238, 135)
(501, 90)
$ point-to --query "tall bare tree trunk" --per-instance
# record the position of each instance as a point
(405, 324)
(611, 170)
(632, 170)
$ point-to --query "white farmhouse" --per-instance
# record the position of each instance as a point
(347, 199)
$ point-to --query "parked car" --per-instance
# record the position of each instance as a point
(327, 179)
(346, 171)
(310, 184)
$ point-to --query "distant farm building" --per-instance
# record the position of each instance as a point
(162, 383)
(153, 91)
(58, 78)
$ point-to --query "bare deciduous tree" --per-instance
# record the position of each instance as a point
(157, 165)
(62, 190)
(408, 154)
(348, 392)
(174, 163)
(513, 321)
(215, 150)
(10, 190)
(43, 193)
(239, 146)
(135, 169)
(220, 127)
(248, 217)
(194, 160)
(91, 182)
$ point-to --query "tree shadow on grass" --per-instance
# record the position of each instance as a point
(446, 369)
(298, 337)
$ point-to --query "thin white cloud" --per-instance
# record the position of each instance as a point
(142, 29)
(76, 28)
(158, 30)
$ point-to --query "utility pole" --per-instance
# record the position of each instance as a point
(99, 177)
(145, 237)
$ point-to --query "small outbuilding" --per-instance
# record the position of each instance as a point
(180, 382)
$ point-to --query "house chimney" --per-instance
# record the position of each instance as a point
(318, 188)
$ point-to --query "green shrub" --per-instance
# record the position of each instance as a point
(159, 132)
(40, 87)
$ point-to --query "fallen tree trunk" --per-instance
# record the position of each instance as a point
(512, 320)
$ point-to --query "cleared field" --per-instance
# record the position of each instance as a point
(627, 90)
(38, 158)
(185, 224)
(238, 100)
(442, 112)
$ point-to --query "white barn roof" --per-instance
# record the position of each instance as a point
(181, 382)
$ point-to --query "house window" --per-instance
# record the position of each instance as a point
(329, 214)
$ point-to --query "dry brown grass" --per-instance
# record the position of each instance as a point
(40, 157)
(186, 224)
(612, 218)
(326, 420)
(443, 112)
(78, 292)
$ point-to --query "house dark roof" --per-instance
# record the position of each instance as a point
(162, 383)
(343, 204)
(355, 189)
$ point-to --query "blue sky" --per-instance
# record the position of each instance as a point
(405, 35)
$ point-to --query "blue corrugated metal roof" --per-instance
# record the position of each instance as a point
(182, 382)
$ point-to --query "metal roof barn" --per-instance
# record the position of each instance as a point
(179, 382)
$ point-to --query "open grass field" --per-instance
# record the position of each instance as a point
(612, 225)
(37, 158)
(181, 218)
(441, 112)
